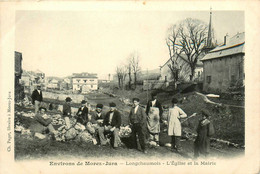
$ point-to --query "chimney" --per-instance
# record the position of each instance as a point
(225, 39)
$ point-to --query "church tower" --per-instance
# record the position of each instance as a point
(209, 44)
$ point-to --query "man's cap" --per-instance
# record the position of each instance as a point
(99, 106)
(68, 99)
(83, 102)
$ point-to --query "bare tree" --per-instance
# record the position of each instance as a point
(187, 38)
(174, 52)
(121, 72)
(129, 71)
(134, 59)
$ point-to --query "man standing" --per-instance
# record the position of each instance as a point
(137, 118)
(37, 98)
(67, 112)
(154, 115)
(112, 123)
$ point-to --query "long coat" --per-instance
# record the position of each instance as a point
(202, 142)
(174, 124)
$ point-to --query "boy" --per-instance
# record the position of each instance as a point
(205, 130)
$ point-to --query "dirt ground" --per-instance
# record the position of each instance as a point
(228, 122)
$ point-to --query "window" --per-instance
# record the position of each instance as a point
(91, 86)
(165, 78)
(91, 80)
(208, 79)
(85, 81)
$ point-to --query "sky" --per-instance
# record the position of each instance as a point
(60, 43)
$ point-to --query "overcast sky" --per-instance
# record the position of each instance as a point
(60, 43)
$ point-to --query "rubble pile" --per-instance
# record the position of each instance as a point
(25, 102)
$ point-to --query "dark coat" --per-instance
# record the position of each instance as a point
(83, 116)
(138, 117)
(36, 96)
(202, 142)
(66, 110)
(158, 105)
(96, 117)
(116, 120)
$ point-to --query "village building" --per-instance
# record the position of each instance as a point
(184, 70)
(84, 82)
(30, 79)
(224, 65)
(53, 84)
(182, 65)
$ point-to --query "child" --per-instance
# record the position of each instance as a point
(205, 130)
(174, 124)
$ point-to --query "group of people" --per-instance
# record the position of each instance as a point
(144, 123)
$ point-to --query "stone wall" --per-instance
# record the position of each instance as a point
(76, 98)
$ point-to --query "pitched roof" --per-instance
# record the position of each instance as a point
(184, 56)
(235, 45)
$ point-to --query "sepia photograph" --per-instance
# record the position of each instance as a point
(128, 88)
(173, 85)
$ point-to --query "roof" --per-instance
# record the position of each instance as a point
(183, 56)
(84, 75)
(235, 45)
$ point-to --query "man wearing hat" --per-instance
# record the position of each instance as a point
(98, 115)
(137, 119)
(112, 123)
(67, 112)
(82, 113)
(37, 98)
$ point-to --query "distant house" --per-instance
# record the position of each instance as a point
(224, 65)
(84, 82)
(185, 71)
(53, 84)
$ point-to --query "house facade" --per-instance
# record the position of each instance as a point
(184, 70)
(224, 65)
(84, 82)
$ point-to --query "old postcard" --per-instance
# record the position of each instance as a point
(136, 86)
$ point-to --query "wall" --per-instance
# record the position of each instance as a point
(75, 97)
(184, 74)
(221, 71)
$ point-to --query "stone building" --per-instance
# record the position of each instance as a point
(224, 65)
(84, 82)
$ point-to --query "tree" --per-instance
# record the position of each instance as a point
(121, 73)
(174, 52)
(188, 38)
(134, 61)
(129, 71)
